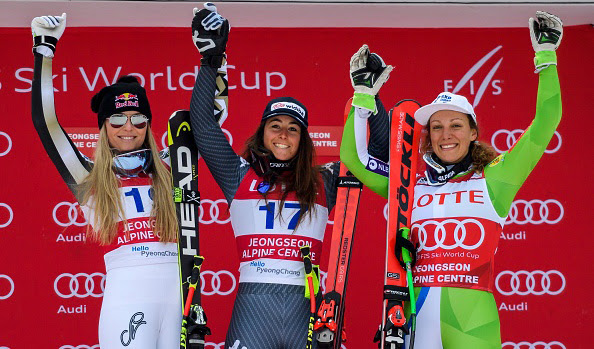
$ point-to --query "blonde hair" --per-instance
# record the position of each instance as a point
(102, 185)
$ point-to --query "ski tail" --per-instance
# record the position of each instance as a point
(405, 135)
(184, 172)
(330, 314)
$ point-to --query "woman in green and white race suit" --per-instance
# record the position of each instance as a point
(462, 200)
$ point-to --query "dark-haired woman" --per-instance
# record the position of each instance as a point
(462, 201)
(125, 194)
(279, 199)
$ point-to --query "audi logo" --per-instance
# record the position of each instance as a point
(9, 147)
(69, 217)
(225, 131)
(10, 215)
(535, 345)
(463, 238)
(221, 282)
(82, 346)
(10, 289)
(214, 211)
(546, 212)
(512, 136)
(80, 285)
(535, 282)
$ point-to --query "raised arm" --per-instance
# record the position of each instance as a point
(208, 106)
(506, 174)
(71, 164)
(368, 74)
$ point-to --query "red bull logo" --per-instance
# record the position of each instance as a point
(126, 97)
(126, 100)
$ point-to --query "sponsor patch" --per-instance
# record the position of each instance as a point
(496, 161)
(443, 98)
(287, 105)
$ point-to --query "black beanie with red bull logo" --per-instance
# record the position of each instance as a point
(126, 94)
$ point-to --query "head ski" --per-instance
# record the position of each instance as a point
(184, 171)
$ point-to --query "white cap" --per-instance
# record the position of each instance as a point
(444, 101)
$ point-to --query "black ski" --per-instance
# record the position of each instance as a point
(184, 170)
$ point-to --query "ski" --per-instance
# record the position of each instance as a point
(184, 172)
(405, 136)
(330, 314)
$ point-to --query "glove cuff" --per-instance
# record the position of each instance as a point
(364, 100)
(543, 59)
(45, 40)
(215, 61)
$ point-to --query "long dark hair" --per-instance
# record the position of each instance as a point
(304, 179)
(482, 154)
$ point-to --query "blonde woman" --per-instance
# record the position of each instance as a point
(125, 194)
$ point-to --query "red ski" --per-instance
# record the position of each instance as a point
(329, 321)
(404, 152)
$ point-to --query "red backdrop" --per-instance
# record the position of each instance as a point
(51, 279)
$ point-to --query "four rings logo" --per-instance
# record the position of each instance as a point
(80, 285)
(504, 140)
(215, 213)
(69, 215)
(82, 346)
(9, 146)
(10, 215)
(220, 282)
(487, 81)
(535, 345)
(535, 282)
(468, 234)
(535, 212)
(7, 294)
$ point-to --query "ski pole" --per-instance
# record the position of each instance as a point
(309, 275)
(194, 327)
(411, 289)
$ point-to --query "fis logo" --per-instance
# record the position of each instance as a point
(487, 83)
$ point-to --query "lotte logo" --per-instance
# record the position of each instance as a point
(535, 345)
(467, 234)
(66, 214)
(80, 285)
(503, 140)
(535, 212)
(488, 80)
(525, 283)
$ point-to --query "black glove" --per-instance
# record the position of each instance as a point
(404, 243)
(210, 32)
(546, 31)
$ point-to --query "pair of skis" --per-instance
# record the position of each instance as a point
(405, 135)
(404, 144)
(330, 314)
(184, 170)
